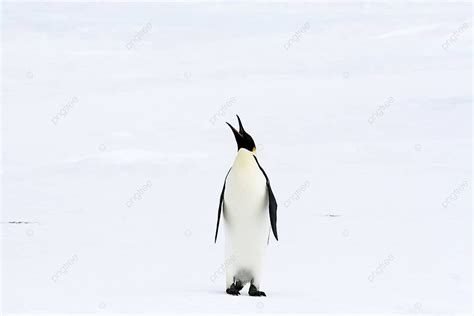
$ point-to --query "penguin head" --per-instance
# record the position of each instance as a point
(244, 140)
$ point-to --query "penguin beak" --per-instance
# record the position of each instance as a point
(237, 135)
(241, 127)
(243, 139)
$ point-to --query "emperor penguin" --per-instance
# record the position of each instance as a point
(249, 209)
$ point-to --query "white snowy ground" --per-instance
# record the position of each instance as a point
(91, 116)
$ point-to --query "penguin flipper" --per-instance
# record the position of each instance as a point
(221, 206)
(272, 203)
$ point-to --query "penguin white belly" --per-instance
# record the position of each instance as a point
(246, 219)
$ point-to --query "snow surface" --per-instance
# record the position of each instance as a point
(115, 148)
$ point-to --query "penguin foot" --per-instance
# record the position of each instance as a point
(254, 292)
(234, 289)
